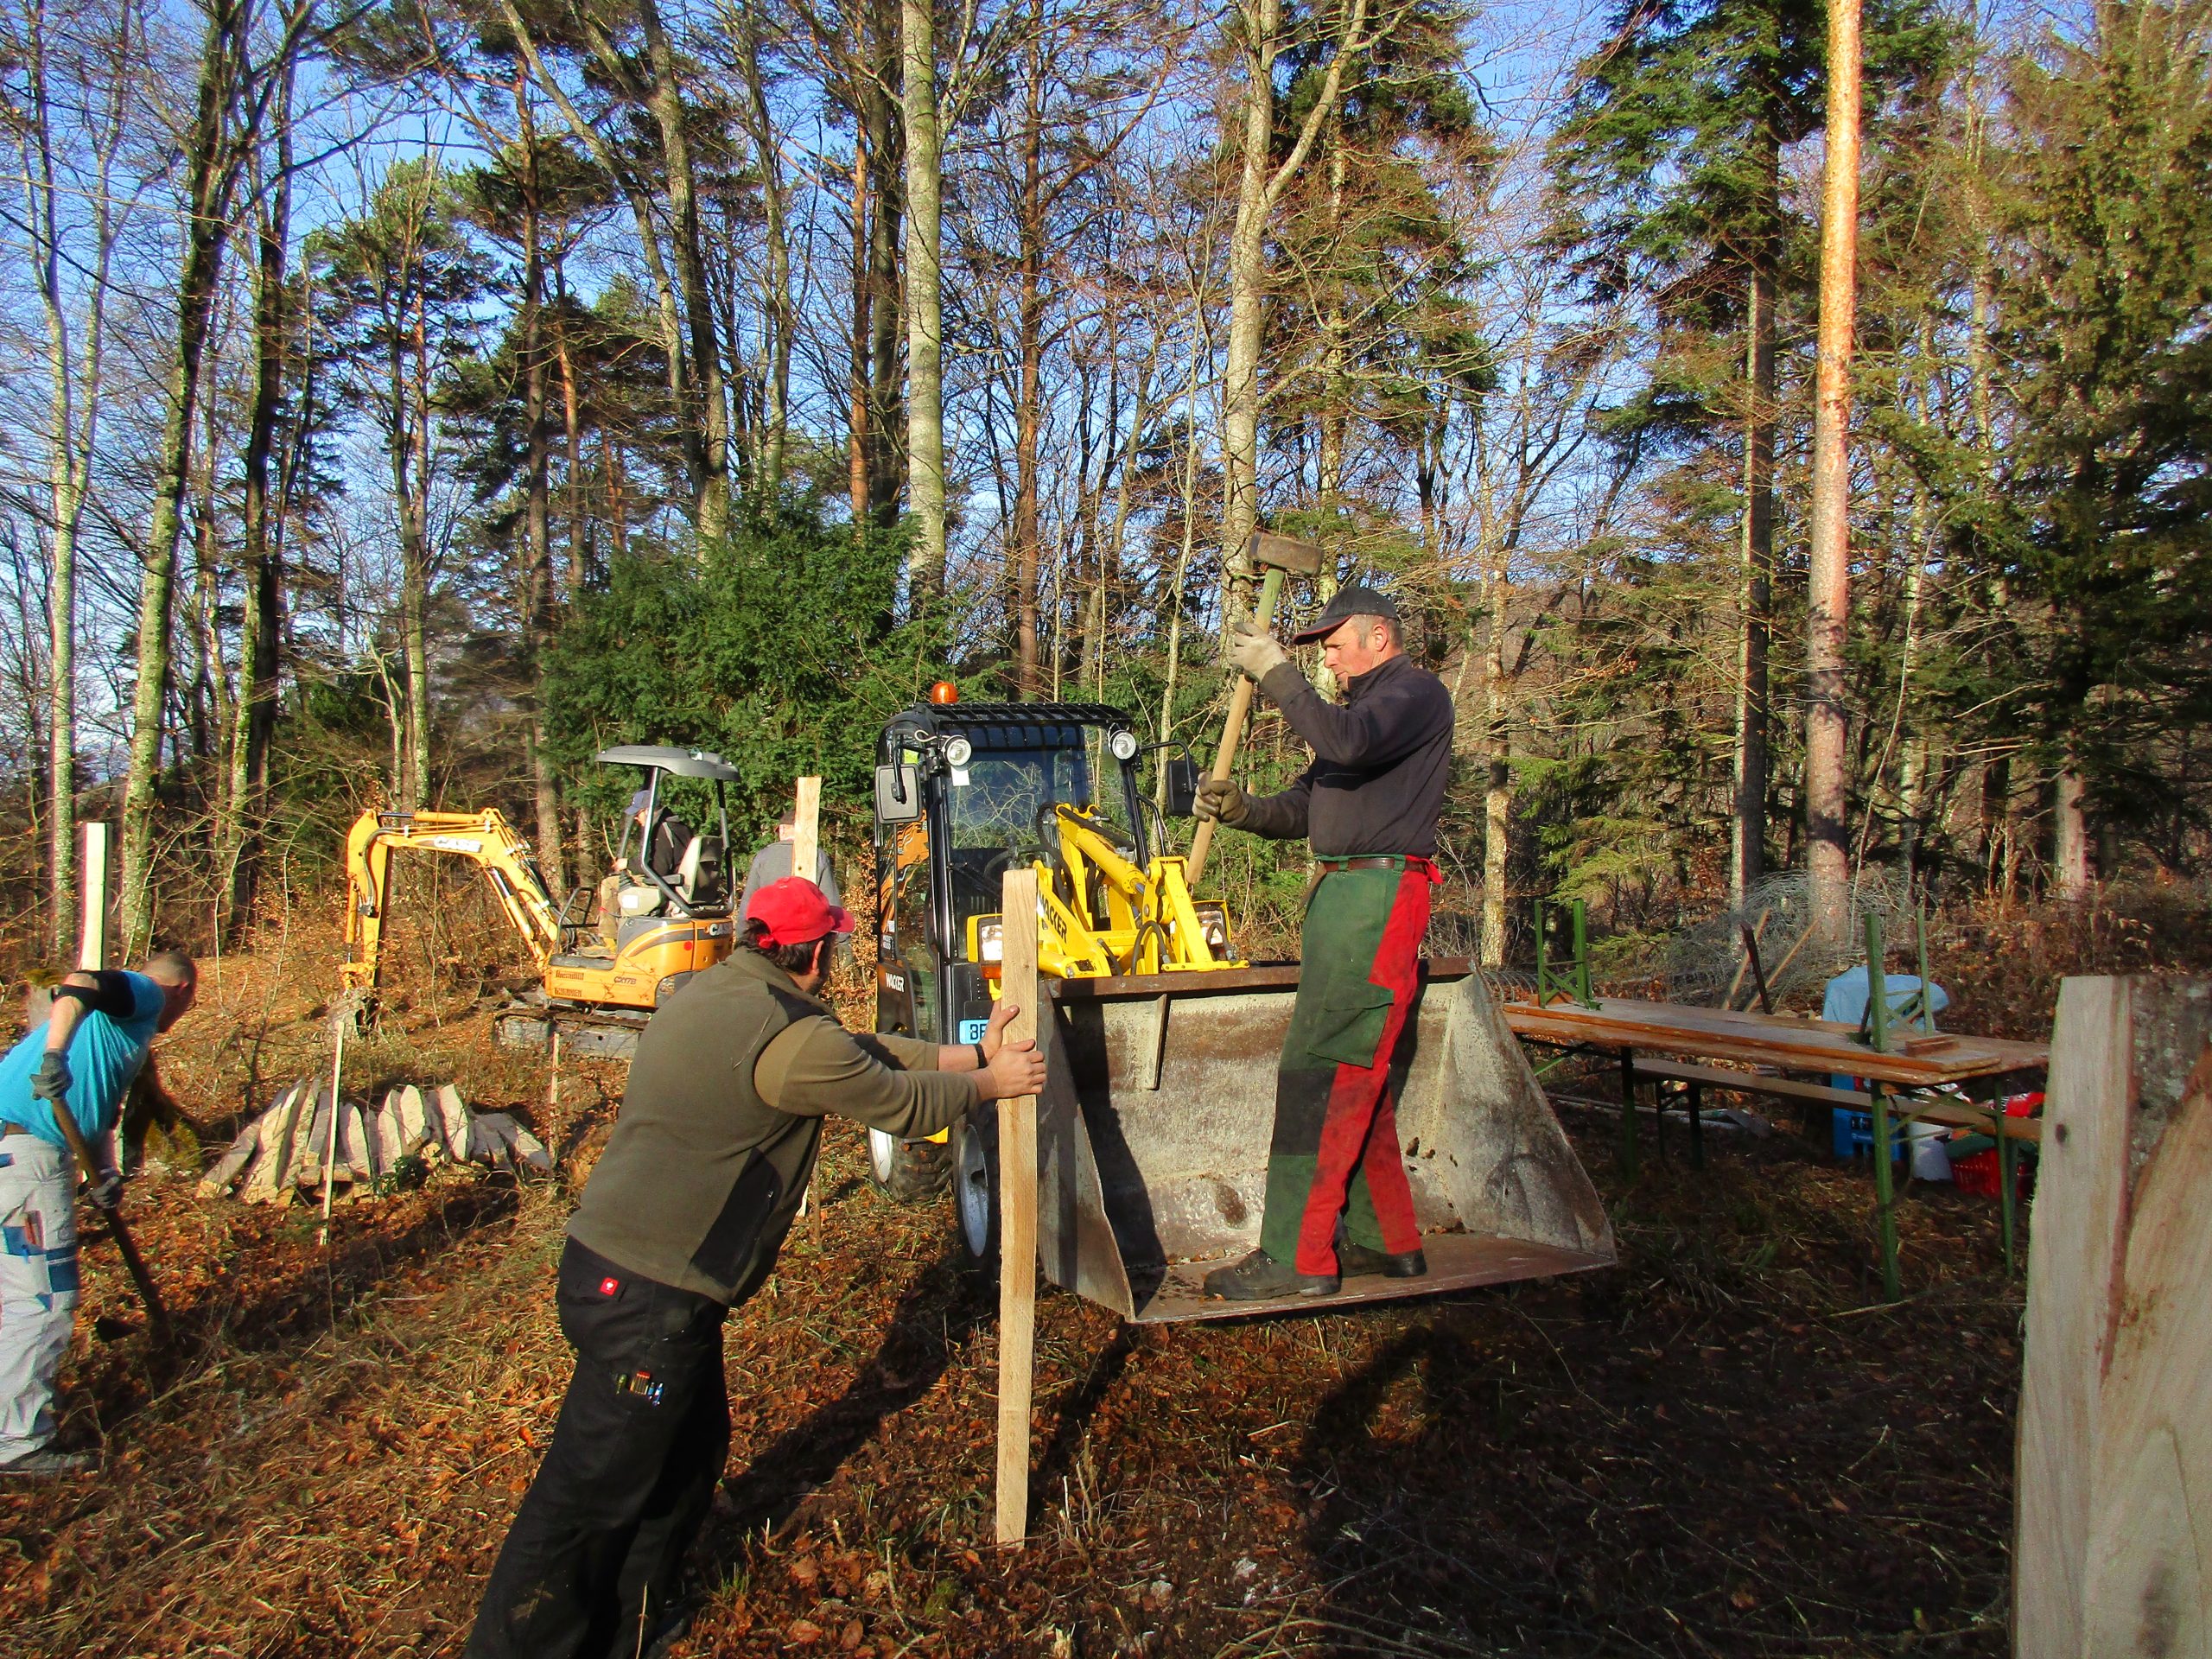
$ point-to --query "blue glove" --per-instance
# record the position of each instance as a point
(52, 1080)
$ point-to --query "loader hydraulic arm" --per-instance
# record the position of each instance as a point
(484, 837)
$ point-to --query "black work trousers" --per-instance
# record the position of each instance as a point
(590, 1565)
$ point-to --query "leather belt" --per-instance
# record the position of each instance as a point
(1384, 861)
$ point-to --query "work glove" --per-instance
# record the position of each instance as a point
(1223, 799)
(1253, 649)
(105, 1191)
(52, 1080)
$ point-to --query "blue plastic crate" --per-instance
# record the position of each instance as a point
(1854, 1135)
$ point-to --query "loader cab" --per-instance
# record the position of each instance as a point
(963, 792)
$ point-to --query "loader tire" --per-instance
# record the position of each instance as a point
(975, 1187)
(907, 1171)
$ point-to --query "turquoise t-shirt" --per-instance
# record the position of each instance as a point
(105, 1055)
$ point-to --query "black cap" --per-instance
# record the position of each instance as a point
(1348, 603)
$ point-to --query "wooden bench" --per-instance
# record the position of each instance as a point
(1927, 1108)
(1931, 1108)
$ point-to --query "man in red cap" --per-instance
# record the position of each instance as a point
(681, 1222)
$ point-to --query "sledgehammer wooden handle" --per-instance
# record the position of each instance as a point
(1240, 710)
(66, 1120)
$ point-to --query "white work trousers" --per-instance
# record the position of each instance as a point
(38, 1286)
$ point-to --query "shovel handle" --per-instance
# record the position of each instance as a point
(67, 1122)
(1240, 710)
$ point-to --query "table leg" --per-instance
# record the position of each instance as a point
(2005, 1165)
(1697, 1125)
(1627, 1113)
(1885, 1215)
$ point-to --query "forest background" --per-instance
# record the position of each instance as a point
(400, 401)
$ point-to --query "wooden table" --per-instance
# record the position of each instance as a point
(1914, 1061)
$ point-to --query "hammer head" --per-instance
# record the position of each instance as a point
(1284, 553)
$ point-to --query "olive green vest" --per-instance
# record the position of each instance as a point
(702, 1177)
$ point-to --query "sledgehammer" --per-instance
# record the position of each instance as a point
(1277, 554)
(155, 1313)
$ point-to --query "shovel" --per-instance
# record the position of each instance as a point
(1276, 553)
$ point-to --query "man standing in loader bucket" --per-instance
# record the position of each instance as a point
(1337, 1199)
(682, 1221)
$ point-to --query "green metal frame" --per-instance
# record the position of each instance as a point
(1574, 984)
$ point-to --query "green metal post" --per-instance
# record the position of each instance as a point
(2005, 1156)
(1885, 1215)
(1627, 1113)
(1542, 977)
(1927, 1003)
(1878, 1032)
(1582, 955)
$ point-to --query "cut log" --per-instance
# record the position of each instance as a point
(488, 1136)
(232, 1165)
(308, 1145)
(265, 1182)
(416, 1131)
(456, 1116)
(353, 1145)
(381, 1129)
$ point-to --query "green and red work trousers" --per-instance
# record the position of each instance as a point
(1335, 1151)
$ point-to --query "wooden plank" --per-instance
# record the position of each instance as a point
(1017, 1216)
(92, 844)
(2149, 1563)
(1767, 1040)
(806, 827)
(2073, 1277)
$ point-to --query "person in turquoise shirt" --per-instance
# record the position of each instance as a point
(82, 1061)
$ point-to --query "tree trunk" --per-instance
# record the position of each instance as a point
(1497, 793)
(254, 719)
(859, 436)
(886, 473)
(1029, 356)
(2070, 834)
(924, 305)
(537, 581)
(1755, 592)
(1828, 849)
(666, 101)
(1257, 192)
(206, 164)
(779, 296)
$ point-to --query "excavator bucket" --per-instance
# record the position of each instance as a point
(1153, 1129)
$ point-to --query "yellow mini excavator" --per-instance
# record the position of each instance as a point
(669, 927)
(1161, 1040)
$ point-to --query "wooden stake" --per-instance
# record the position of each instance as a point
(92, 842)
(1017, 1215)
(806, 828)
(342, 1018)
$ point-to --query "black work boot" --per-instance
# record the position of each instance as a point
(1260, 1276)
(1357, 1260)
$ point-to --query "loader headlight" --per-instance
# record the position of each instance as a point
(1122, 746)
(1213, 927)
(958, 751)
(989, 944)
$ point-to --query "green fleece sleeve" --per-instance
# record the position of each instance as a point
(891, 1083)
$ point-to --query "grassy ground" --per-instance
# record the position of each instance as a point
(1723, 1446)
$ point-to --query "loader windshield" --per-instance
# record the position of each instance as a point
(996, 809)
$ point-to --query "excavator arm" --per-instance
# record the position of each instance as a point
(484, 837)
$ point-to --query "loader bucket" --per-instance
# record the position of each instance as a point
(1152, 1142)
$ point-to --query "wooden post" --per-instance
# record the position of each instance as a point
(1017, 1214)
(92, 841)
(340, 1018)
(806, 827)
(2115, 1450)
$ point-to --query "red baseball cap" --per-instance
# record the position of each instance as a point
(794, 912)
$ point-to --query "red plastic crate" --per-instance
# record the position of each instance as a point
(1978, 1173)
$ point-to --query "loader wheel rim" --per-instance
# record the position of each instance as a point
(882, 1154)
(971, 1191)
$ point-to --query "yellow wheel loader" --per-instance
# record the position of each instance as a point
(668, 925)
(1161, 1040)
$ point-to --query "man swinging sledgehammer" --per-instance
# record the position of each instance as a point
(1337, 1199)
